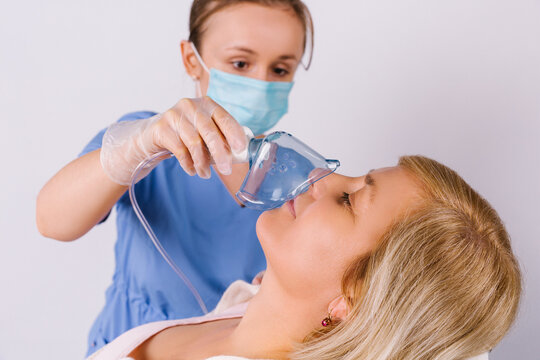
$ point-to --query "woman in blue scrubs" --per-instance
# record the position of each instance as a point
(236, 48)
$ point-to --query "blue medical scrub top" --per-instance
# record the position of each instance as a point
(202, 228)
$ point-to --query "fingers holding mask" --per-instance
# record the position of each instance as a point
(197, 130)
(167, 135)
(177, 134)
(212, 136)
(195, 145)
(174, 144)
(230, 128)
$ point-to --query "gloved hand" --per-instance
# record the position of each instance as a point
(193, 130)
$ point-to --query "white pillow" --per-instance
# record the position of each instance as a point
(483, 356)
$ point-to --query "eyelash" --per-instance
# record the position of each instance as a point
(278, 71)
(236, 65)
(345, 199)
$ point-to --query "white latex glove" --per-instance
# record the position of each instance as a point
(194, 130)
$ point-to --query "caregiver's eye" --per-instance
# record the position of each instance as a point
(241, 65)
(280, 71)
(345, 199)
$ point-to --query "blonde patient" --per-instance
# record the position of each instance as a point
(406, 262)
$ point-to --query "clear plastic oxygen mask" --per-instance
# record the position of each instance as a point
(281, 167)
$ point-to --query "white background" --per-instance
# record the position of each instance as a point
(458, 81)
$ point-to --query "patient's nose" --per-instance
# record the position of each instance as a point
(321, 187)
(333, 183)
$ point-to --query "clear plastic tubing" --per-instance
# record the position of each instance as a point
(281, 167)
(237, 157)
(150, 232)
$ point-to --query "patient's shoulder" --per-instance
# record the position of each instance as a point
(198, 340)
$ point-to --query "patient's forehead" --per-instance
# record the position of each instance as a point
(390, 191)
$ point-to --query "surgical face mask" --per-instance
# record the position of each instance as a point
(254, 103)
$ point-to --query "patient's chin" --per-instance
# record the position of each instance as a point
(266, 230)
(272, 234)
(271, 225)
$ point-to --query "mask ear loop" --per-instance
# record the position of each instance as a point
(198, 56)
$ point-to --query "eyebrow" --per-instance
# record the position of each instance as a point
(372, 186)
(252, 52)
(287, 57)
(241, 48)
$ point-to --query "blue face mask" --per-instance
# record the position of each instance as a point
(254, 103)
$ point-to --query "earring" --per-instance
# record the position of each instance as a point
(327, 321)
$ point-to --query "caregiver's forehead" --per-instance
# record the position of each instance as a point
(256, 25)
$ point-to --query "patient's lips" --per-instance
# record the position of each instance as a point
(290, 205)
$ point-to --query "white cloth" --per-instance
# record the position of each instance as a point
(233, 304)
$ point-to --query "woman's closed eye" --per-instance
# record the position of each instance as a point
(345, 199)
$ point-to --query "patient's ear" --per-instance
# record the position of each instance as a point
(338, 308)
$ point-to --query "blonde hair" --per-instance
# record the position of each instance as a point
(442, 284)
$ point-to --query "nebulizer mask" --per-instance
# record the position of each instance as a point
(281, 167)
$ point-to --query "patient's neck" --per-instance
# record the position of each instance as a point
(275, 320)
